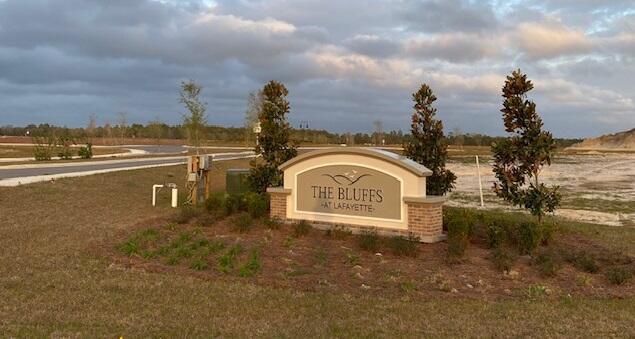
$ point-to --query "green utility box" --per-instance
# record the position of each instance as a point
(236, 180)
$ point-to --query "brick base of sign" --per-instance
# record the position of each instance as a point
(425, 217)
(278, 202)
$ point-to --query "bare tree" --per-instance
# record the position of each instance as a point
(196, 121)
(122, 124)
(378, 125)
(254, 105)
(92, 125)
(458, 137)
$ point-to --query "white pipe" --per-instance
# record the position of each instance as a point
(174, 196)
(480, 185)
(154, 194)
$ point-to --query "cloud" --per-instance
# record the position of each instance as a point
(453, 47)
(343, 61)
(539, 40)
(447, 15)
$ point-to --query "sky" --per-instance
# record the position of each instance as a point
(345, 63)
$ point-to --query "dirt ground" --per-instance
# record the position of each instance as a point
(596, 187)
(319, 262)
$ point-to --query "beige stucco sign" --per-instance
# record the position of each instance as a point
(361, 189)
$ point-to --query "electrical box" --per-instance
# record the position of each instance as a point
(237, 180)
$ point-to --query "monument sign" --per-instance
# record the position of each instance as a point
(359, 188)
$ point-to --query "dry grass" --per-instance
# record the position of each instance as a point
(51, 284)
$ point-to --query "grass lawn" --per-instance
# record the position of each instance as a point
(55, 282)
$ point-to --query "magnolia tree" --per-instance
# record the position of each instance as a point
(427, 145)
(274, 140)
(519, 158)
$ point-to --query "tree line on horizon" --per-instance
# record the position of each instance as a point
(244, 135)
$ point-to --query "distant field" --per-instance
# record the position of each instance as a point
(54, 281)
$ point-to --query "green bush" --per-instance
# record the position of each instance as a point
(503, 258)
(257, 205)
(495, 233)
(458, 238)
(243, 223)
(548, 262)
(86, 152)
(233, 204)
(228, 260)
(252, 266)
(44, 148)
(369, 241)
(529, 236)
(583, 261)
(273, 223)
(403, 246)
(216, 202)
(618, 275)
(199, 264)
(301, 228)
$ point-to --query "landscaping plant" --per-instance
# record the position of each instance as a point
(274, 141)
(427, 145)
(196, 121)
(519, 158)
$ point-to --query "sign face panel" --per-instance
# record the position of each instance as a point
(349, 190)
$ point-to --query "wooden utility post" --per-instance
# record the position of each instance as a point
(198, 167)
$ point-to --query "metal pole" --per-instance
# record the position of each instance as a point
(480, 185)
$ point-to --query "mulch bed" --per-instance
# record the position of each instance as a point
(317, 262)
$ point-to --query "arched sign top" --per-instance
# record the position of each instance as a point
(392, 158)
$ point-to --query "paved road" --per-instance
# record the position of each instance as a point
(14, 175)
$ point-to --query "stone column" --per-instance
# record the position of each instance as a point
(278, 202)
(425, 217)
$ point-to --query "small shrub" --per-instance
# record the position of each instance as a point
(583, 261)
(243, 223)
(253, 265)
(352, 258)
(503, 258)
(44, 148)
(257, 205)
(369, 241)
(199, 264)
(301, 228)
(495, 234)
(227, 261)
(129, 247)
(86, 152)
(338, 232)
(403, 246)
(273, 223)
(548, 262)
(529, 236)
(216, 202)
(458, 240)
(233, 203)
(186, 213)
(321, 256)
(287, 242)
(618, 275)
(536, 291)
